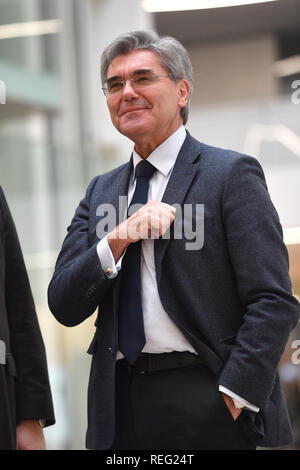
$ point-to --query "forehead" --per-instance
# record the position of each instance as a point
(135, 60)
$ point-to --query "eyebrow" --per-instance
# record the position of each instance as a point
(141, 71)
(135, 73)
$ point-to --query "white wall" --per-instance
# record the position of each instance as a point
(234, 70)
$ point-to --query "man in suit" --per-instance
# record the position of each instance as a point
(188, 341)
(25, 395)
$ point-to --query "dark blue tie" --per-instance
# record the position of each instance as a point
(131, 324)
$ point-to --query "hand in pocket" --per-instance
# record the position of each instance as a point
(235, 412)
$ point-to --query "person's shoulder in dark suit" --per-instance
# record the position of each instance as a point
(24, 370)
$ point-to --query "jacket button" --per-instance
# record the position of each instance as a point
(91, 289)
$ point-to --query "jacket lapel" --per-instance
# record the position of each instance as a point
(120, 191)
(180, 180)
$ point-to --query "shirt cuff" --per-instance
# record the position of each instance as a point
(238, 401)
(107, 260)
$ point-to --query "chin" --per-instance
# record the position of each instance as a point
(132, 131)
(136, 124)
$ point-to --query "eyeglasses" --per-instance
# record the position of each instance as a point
(140, 80)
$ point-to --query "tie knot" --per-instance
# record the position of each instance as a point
(144, 168)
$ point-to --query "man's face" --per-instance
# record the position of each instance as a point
(149, 114)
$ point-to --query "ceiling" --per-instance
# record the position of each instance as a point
(194, 26)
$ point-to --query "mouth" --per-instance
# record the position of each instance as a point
(131, 110)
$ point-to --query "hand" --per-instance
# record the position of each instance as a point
(30, 436)
(235, 412)
(151, 221)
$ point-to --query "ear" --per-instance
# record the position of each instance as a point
(183, 91)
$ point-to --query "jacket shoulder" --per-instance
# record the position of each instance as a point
(111, 174)
(223, 155)
(225, 162)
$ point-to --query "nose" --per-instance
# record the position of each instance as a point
(128, 90)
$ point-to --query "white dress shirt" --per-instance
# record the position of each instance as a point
(162, 334)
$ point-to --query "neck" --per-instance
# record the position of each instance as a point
(145, 146)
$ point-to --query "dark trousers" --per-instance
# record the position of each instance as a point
(178, 409)
(7, 410)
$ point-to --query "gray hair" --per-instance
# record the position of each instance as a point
(173, 56)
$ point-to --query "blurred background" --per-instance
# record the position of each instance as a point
(56, 134)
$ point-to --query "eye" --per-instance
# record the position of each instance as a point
(115, 86)
(142, 79)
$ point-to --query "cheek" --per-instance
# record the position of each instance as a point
(167, 102)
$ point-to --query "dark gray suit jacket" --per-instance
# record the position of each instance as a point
(24, 384)
(232, 299)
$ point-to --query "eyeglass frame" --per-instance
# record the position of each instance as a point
(132, 80)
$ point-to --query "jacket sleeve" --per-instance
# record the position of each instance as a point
(33, 394)
(79, 283)
(260, 264)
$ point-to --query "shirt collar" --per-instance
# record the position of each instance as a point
(165, 155)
